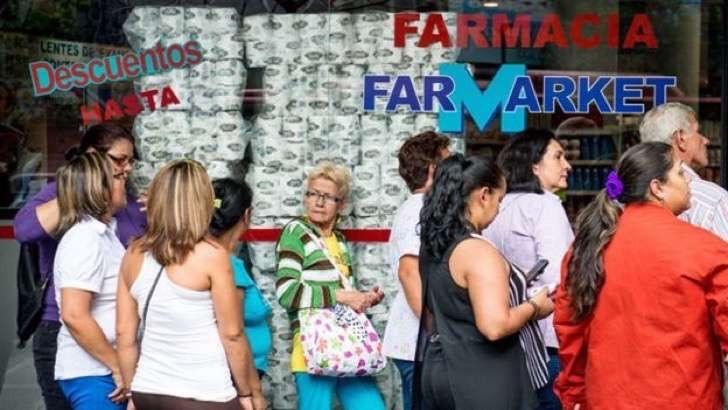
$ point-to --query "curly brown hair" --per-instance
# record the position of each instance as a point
(417, 154)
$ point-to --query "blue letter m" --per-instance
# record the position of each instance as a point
(482, 105)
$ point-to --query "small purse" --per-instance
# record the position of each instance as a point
(338, 341)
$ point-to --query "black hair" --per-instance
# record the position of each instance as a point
(443, 216)
(232, 198)
(520, 154)
(101, 137)
(597, 222)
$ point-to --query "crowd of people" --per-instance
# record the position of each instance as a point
(500, 304)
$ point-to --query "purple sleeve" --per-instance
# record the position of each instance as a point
(26, 224)
(131, 221)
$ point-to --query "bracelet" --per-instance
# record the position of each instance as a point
(535, 308)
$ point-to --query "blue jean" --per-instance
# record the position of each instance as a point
(406, 372)
(90, 393)
(354, 393)
(547, 399)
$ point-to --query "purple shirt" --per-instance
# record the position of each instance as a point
(130, 223)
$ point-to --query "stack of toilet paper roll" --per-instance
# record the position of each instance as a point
(207, 124)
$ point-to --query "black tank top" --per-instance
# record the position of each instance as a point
(483, 374)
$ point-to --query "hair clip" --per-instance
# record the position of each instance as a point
(217, 203)
(614, 185)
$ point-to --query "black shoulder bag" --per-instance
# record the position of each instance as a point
(31, 291)
(143, 323)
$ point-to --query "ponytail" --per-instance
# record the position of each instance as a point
(597, 222)
(443, 216)
(596, 225)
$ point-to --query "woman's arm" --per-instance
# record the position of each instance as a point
(259, 401)
(39, 217)
(487, 279)
(127, 317)
(76, 316)
(228, 313)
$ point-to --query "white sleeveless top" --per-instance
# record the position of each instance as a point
(181, 352)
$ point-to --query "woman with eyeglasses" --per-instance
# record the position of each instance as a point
(312, 257)
(39, 218)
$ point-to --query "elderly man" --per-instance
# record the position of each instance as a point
(676, 124)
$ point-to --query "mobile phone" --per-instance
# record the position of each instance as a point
(536, 271)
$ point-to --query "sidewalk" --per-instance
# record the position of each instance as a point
(20, 391)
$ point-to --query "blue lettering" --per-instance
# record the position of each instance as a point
(371, 91)
(482, 104)
(593, 93)
(403, 83)
(624, 88)
(523, 95)
(441, 95)
(558, 89)
(660, 84)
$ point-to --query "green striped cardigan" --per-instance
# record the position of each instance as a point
(305, 277)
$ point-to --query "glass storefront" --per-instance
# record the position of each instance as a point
(270, 88)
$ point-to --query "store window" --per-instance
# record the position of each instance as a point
(277, 86)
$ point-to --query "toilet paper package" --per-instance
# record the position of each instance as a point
(374, 151)
(366, 182)
(265, 182)
(216, 99)
(230, 132)
(142, 27)
(219, 169)
(285, 40)
(163, 135)
(345, 151)
(369, 254)
(219, 20)
(171, 21)
(263, 255)
(401, 126)
(143, 174)
(374, 126)
(374, 221)
(340, 36)
(314, 30)
(221, 46)
(425, 122)
(291, 194)
(256, 33)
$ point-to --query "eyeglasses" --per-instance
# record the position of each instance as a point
(121, 161)
(324, 197)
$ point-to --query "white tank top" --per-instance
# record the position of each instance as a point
(181, 352)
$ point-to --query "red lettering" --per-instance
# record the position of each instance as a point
(113, 111)
(49, 77)
(521, 28)
(62, 75)
(402, 27)
(78, 71)
(92, 72)
(130, 64)
(132, 106)
(476, 31)
(149, 95)
(551, 31)
(640, 31)
(168, 97)
(160, 53)
(435, 31)
(577, 28)
(176, 50)
(613, 31)
(193, 50)
(91, 115)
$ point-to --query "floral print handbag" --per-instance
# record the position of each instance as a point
(340, 342)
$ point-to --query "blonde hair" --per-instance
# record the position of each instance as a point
(179, 210)
(338, 174)
(84, 190)
(660, 123)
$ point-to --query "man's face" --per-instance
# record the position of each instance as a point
(694, 146)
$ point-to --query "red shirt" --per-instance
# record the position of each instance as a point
(655, 335)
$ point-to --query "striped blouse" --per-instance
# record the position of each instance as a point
(708, 205)
(305, 277)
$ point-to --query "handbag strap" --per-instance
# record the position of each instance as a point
(143, 324)
(345, 281)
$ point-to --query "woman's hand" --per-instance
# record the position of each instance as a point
(119, 394)
(376, 295)
(259, 402)
(356, 300)
(246, 403)
(142, 201)
(544, 303)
